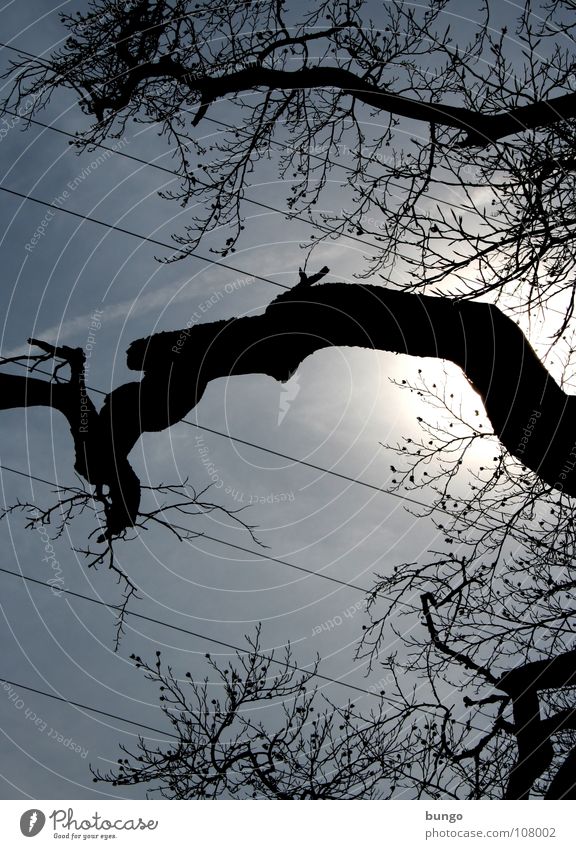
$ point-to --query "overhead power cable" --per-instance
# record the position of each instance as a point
(226, 543)
(196, 634)
(251, 551)
(273, 452)
(139, 236)
(87, 707)
(147, 163)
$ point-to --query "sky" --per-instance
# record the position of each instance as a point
(335, 414)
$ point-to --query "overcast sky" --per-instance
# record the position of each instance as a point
(335, 414)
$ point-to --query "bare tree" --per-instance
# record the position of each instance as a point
(494, 637)
(477, 193)
(480, 617)
(102, 442)
(223, 751)
(517, 739)
(532, 416)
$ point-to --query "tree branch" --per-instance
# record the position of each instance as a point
(530, 414)
(481, 129)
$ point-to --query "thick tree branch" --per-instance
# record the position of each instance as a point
(531, 415)
(535, 751)
(533, 418)
(481, 129)
(563, 785)
(101, 450)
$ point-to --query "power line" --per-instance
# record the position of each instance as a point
(332, 163)
(316, 467)
(233, 545)
(324, 228)
(207, 536)
(282, 562)
(411, 607)
(252, 201)
(217, 122)
(327, 230)
(88, 707)
(287, 213)
(149, 164)
(327, 160)
(290, 215)
(221, 643)
(185, 252)
(137, 724)
(35, 478)
(189, 632)
(126, 232)
(201, 636)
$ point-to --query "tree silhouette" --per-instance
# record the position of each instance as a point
(222, 750)
(488, 119)
(490, 348)
(493, 131)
